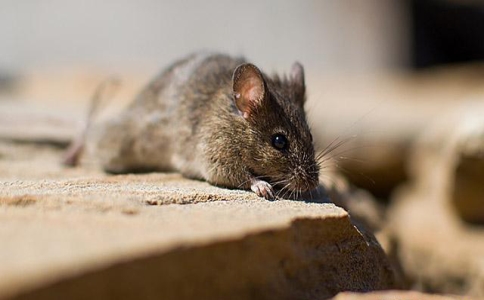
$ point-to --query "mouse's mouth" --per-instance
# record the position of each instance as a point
(296, 183)
(299, 185)
(304, 185)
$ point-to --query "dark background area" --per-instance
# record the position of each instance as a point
(446, 32)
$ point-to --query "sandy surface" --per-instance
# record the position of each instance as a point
(79, 233)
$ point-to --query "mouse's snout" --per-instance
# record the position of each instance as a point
(305, 179)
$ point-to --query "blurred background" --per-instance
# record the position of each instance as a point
(399, 83)
(325, 35)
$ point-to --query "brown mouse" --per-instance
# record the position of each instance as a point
(219, 119)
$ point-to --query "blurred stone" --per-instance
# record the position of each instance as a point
(377, 117)
(468, 185)
(468, 192)
(439, 250)
(21, 123)
(360, 204)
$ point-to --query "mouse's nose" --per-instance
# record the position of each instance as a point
(305, 180)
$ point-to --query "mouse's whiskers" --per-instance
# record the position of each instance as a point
(328, 155)
(285, 189)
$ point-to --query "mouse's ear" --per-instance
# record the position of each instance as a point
(249, 88)
(297, 80)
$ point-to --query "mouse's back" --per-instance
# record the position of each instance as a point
(159, 124)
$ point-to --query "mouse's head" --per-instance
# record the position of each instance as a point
(279, 146)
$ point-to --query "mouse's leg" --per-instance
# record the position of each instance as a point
(262, 188)
(215, 172)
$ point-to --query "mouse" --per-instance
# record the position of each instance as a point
(218, 118)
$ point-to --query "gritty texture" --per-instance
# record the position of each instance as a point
(77, 233)
(217, 250)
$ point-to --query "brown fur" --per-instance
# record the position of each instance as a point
(186, 120)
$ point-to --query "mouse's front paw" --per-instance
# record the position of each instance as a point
(262, 189)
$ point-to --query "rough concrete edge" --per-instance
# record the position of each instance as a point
(81, 285)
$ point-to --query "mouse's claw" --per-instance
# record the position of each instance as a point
(262, 189)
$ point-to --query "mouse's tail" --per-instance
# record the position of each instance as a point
(103, 92)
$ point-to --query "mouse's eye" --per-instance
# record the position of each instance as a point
(279, 141)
